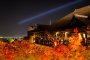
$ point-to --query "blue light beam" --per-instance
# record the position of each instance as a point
(50, 11)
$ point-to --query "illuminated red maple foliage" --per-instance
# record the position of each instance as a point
(25, 50)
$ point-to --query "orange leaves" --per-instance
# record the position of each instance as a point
(75, 46)
(25, 50)
(62, 49)
(8, 53)
(76, 30)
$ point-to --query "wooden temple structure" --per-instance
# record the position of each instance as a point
(80, 19)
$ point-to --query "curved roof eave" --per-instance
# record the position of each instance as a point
(64, 21)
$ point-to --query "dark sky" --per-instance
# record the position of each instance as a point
(13, 12)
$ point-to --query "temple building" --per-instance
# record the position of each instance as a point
(63, 28)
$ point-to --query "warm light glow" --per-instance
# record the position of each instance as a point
(25, 50)
(83, 16)
(55, 43)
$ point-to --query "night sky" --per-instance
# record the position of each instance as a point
(12, 13)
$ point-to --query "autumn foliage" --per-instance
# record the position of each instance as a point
(25, 50)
